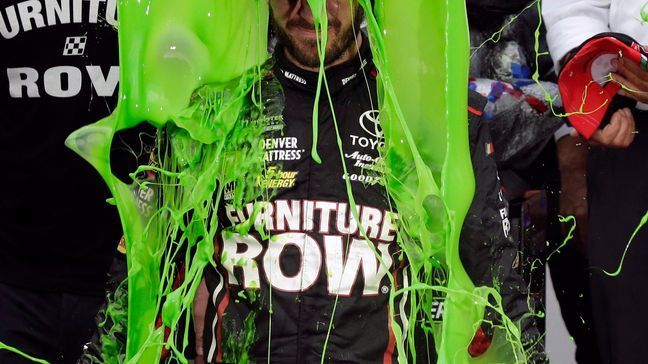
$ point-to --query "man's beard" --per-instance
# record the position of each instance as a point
(306, 53)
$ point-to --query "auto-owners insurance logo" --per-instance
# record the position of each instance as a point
(373, 140)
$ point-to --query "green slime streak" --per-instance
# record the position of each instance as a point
(570, 234)
(495, 38)
(644, 221)
(18, 352)
(168, 54)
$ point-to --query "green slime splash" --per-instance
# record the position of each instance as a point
(422, 52)
(189, 68)
(423, 101)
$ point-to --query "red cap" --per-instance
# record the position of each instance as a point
(480, 343)
(584, 83)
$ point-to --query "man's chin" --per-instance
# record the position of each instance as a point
(303, 49)
(309, 60)
(305, 54)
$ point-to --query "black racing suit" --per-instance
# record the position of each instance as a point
(319, 265)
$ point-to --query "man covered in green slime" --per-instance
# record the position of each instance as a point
(318, 276)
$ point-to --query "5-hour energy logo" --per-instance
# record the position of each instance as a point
(275, 177)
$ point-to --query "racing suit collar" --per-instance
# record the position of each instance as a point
(337, 76)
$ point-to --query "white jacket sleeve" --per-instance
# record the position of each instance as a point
(571, 22)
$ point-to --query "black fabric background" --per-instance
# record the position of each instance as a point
(57, 233)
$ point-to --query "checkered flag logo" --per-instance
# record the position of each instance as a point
(75, 46)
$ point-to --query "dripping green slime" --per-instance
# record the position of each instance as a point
(195, 70)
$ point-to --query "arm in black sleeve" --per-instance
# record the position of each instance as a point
(487, 251)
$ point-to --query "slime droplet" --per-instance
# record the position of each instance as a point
(644, 13)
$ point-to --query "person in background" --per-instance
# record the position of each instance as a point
(58, 71)
(541, 175)
(616, 178)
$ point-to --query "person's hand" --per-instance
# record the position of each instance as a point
(619, 133)
(200, 307)
(632, 78)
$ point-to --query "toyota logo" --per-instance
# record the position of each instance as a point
(370, 123)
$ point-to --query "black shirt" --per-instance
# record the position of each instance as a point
(58, 71)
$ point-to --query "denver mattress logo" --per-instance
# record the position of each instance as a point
(282, 149)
